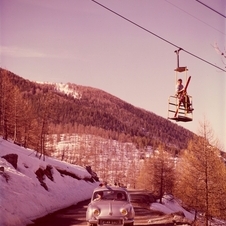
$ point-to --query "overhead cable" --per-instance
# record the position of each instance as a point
(195, 17)
(158, 36)
(211, 8)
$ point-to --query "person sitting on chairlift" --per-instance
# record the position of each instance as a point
(182, 96)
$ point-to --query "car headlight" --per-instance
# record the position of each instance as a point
(96, 212)
(124, 211)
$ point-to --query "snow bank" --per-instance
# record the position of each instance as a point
(170, 205)
(22, 198)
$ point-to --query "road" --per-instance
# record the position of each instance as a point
(75, 215)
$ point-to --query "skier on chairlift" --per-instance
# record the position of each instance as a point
(182, 96)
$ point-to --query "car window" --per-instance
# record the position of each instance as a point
(110, 195)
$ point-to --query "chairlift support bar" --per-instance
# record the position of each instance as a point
(177, 52)
(179, 69)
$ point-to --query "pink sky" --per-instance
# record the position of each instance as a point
(80, 42)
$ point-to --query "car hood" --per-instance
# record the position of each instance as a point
(111, 208)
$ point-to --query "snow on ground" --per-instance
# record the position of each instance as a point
(170, 205)
(22, 198)
(67, 89)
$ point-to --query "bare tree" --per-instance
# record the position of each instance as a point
(18, 113)
(220, 52)
(145, 178)
(201, 174)
(157, 174)
(6, 94)
(45, 113)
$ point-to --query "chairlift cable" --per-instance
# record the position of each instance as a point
(195, 17)
(165, 40)
(211, 8)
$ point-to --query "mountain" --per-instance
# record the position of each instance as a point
(72, 108)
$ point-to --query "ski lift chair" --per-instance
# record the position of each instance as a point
(176, 112)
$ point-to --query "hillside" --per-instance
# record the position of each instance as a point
(26, 196)
(74, 108)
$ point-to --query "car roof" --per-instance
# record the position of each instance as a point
(114, 188)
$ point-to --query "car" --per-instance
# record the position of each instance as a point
(110, 206)
(141, 199)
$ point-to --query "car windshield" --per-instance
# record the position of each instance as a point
(110, 195)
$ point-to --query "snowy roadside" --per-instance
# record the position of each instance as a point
(22, 197)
